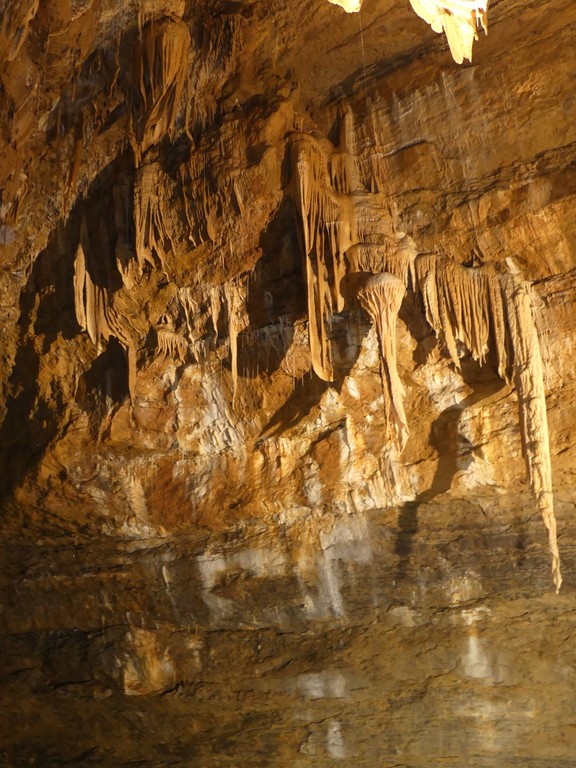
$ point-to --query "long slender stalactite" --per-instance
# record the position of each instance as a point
(381, 296)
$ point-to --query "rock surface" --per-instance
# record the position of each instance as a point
(213, 551)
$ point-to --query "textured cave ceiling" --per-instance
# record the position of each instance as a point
(287, 302)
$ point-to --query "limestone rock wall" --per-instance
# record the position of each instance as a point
(199, 454)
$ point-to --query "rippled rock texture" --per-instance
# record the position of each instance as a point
(214, 550)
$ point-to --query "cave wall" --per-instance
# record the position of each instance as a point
(179, 486)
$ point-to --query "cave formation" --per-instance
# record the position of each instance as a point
(288, 300)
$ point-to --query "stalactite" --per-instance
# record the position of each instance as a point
(235, 293)
(213, 65)
(151, 216)
(395, 257)
(98, 317)
(161, 67)
(484, 310)
(181, 330)
(221, 41)
(342, 165)
(459, 19)
(190, 309)
(328, 230)
(529, 383)
(170, 343)
(350, 6)
(381, 297)
(469, 308)
(79, 282)
(196, 202)
(310, 183)
(465, 306)
(215, 305)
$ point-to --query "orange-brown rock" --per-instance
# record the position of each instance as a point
(213, 552)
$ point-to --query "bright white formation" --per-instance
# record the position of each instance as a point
(350, 6)
(459, 19)
(485, 311)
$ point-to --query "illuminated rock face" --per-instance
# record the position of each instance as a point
(288, 326)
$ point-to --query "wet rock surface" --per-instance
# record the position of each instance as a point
(393, 637)
(210, 555)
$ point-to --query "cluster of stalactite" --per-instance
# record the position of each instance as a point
(476, 309)
(157, 215)
(484, 310)
(95, 311)
(324, 185)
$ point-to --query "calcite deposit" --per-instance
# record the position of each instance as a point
(287, 402)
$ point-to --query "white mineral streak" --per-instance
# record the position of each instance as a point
(459, 19)
(480, 308)
(381, 297)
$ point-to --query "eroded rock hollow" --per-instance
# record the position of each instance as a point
(287, 405)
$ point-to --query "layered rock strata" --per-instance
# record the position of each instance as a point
(254, 512)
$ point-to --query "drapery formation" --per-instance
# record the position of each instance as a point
(96, 314)
(328, 229)
(381, 297)
(483, 310)
(161, 66)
